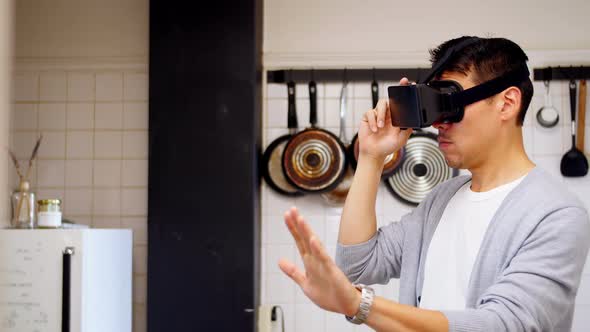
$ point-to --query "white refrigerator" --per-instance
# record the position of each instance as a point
(66, 280)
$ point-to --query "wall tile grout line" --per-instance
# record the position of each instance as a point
(92, 166)
(66, 143)
(138, 130)
(122, 147)
(37, 131)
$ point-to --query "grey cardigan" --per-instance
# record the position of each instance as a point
(529, 265)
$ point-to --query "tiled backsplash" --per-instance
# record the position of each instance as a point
(544, 146)
(94, 154)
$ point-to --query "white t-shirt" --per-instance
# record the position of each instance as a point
(455, 245)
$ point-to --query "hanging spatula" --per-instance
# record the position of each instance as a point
(574, 162)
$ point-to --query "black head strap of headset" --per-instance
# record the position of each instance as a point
(481, 91)
(489, 88)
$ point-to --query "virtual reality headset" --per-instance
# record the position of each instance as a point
(422, 104)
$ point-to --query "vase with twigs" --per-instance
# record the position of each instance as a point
(23, 200)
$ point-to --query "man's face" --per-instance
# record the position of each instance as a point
(465, 144)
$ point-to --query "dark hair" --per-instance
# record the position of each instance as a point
(486, 59)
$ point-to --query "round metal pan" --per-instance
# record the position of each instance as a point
(390, 166)
(314, 160)
(423, 167)
(272, 159)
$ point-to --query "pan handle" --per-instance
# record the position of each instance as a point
(375, 93)
(573, 99)
(343, 109)
(313, 103)
(292, 112)
(573, 93)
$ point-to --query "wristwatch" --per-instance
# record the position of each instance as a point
(367, 295)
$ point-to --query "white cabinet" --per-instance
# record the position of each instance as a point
(65, 280)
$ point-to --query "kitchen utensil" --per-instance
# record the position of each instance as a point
(374, 90)
(581, 116)
(574, 162)
(548, 116)
(314, 160)
(423, 168)
(338, 195)
(272, 169)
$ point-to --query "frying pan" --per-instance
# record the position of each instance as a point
(272, 170)
(392, 161)
(314, 160)
(423, 167)
(338, 195)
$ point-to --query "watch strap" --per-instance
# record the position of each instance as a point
(367, 296)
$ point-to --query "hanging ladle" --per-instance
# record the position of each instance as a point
(548, 116)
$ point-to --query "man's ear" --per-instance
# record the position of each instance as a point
(511, 99)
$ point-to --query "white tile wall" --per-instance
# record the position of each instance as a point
(94, 152)
(545, 147)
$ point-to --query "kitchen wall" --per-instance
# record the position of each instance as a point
(6, 66)
(73, 30)
(81, 80)
(377, 32)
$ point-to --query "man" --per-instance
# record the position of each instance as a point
(500, 250)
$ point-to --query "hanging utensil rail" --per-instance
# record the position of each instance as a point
(562, 73)
(335, 75)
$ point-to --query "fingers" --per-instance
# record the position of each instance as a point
(404, 81)
(319, 251)
(371, 117)
(290, 221)
(292, 271)
(305, 231)
(382, 109)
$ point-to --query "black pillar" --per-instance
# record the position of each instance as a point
(205, 111)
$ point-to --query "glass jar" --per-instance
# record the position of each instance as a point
(49, 213)
(23, 213)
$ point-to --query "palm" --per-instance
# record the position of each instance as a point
(322, 281)
(325, 284)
